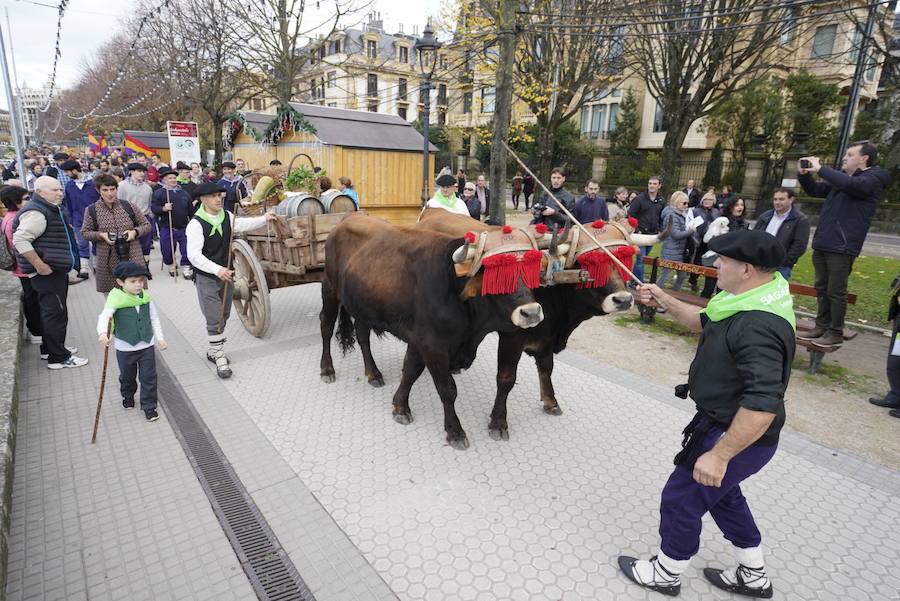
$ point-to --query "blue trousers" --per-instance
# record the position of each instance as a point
(165, 245)
(639, 264)
(685, 502)
(147, 239)
(134, 366)
(84, 247)
(785, 272)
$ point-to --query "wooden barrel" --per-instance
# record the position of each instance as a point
(337, 202)
(300, 204)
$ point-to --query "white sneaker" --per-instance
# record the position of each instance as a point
(35, 339)
(71, 349)
(72, 361)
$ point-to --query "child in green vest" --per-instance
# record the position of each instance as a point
(135, 326)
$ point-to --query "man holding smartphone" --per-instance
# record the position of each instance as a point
(852, 195)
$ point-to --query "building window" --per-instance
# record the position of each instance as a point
(336, 47)
(332, 79)
(585, 120)
(442, 117)
(613, 116)
(467, 103)
(402, 112)
(488, 96)
(659, 120)
(257, 104)
(372, 84)
(322, 52)
(873, 67)
(373, 107)
(789, 28)
(599, 121)
(823, 43)
(443, 61)
(617, 92)
(401, 89)
(442, 94)
(404, 54)
(332, 105)
(371, 48)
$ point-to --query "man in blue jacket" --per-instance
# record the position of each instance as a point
(80, 193)
(788, 225)
(173, 209)
(852, 195)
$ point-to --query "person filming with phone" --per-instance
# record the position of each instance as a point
(851, 197)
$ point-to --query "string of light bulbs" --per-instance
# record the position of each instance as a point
(56, 53)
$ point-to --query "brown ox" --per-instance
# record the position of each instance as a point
(394, 279)
(565, 306)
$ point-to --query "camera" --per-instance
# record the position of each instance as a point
(538, 208)
(805, 164)
(120, 242)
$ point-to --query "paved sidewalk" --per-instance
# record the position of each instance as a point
(368, 509)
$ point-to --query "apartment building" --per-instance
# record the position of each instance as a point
(32, 100)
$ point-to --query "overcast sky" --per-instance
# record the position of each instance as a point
(89, 23)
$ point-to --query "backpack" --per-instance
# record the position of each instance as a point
(92, 211)
(8, 260)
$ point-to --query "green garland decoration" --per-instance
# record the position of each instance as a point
(286, 117)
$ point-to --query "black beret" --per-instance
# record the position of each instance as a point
(229, 164)
(60, 156)
(182, 165)
(70, 164)
(446, 180)
(128, 269)
(750, 246)
(208, 188)
(166, 171)
(136, 167)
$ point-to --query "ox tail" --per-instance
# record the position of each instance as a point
(345, 331)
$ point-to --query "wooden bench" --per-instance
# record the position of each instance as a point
(816, 352)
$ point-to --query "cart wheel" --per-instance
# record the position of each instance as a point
(251, 292)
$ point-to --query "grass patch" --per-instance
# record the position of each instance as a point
(834, 375)
(658, 326)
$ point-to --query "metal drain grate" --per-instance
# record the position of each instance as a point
(270, 570)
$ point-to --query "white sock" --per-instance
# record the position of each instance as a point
(661, 570)
(751, 569)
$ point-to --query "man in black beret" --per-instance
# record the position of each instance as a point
(209, 235)
(737, 382)
(233, 184)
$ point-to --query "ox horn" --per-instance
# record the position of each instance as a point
(463, 253)
(651, 239)
(554, 243)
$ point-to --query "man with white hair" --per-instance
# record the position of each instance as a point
(46, 252)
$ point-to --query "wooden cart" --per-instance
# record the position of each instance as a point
(283, 253)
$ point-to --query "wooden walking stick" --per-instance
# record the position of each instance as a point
(228, 267)
(172, 238)
(102, 381)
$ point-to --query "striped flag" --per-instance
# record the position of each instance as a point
(136, 145)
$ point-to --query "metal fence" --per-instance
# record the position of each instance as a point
(633, 172)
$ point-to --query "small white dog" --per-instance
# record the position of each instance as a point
(717, 227)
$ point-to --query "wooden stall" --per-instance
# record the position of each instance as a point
(381, 154)
(157, 141)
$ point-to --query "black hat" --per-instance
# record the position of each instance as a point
(128, 269)
(229, 164)
(60, 156)
(750, 246)
(136, 167)
(166, 171)
(446, 180)
(70, 164)
(182, 165)
(208, 188)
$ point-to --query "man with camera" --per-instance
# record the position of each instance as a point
(545, 210)
(851, 197)
(114, 226)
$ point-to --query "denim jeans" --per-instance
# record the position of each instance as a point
(638, 263)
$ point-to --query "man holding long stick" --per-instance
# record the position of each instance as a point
(172, 207)
(209, 234)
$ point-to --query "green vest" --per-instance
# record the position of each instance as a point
(129, 325)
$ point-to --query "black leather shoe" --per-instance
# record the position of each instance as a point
(715, 577)
(626, 564)
(894, 412)
(885, 403)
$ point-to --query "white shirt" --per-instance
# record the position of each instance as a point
(194, 233)
(458, 207)
(121, 345)
(775, 223)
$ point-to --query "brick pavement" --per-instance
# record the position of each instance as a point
(369, 509)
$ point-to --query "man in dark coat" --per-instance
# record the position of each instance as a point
(646, 208)
(788, 225)
(693, 194)
(551, 215)
(737, 381)
(852, 195)
(527, 189)
(591, 206)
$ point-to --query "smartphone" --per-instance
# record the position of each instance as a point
(805, 164)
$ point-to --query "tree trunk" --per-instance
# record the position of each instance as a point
(668, 172)
(218, 144)
(502, 109)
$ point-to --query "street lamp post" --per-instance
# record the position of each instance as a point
(427, 47)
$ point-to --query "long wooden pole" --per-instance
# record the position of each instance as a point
(561, 206)
(102, 381)
(228, 266)
(172, 237)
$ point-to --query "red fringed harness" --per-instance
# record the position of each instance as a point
(599, 265)
(505, 264)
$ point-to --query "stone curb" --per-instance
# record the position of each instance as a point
(10, 332)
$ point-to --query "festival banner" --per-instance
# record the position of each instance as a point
(184, 141)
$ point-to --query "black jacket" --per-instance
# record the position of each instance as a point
(647, 212)
(743, 361)
(182, 207)
(693, 197)
(849, 207)
(558, 218)
(56, 246)
(793, 233)
(893, 304)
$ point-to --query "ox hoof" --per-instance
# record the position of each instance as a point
(328, 378)
(554, 410)
(403, 418)
(458, 441)
(377, 382)
(499, 433)
(456, 371)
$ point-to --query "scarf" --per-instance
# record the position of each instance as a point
(773, 297)
(447, 202)
(174, 188)
(119, 299)
(214, 220)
